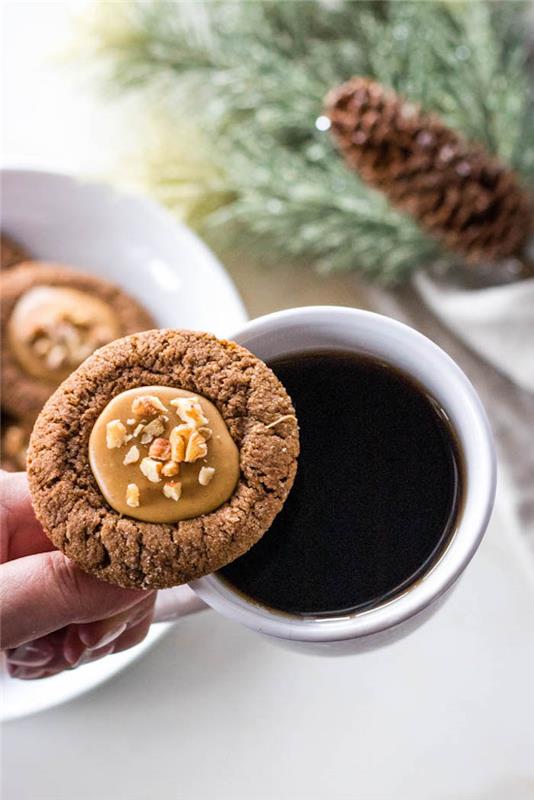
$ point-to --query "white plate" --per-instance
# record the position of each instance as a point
(135, 243)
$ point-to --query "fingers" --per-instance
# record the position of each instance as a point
(46, 592)
(133, 635)
(20, 532)
(100, 633)
(76, 645)
(34, 654)
(54, 616)
(95, 635)
(34, 659)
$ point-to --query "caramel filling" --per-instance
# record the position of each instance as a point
(53, 329)
(162, 455)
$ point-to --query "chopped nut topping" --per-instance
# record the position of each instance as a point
(154, 428)
(190, 410)
(115, 434)
(196, 447)
(151, 469)
(172, 490)
(42, 345)
(147, 406)
(170, 469)
(132, 455)
(185, 431)
(177, 444)
(157, 453)
(205, 475)
(160, 449)
(132, 495)
(57, 355)
(79, 317)
(66, 339)
(67, 332)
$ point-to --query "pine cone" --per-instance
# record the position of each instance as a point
(456, 191)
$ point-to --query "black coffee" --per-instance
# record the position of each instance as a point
(376, 492)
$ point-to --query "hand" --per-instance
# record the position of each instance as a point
(53, 615)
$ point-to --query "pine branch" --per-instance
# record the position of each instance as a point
(250, 79)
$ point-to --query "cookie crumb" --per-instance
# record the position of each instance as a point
(281, 419)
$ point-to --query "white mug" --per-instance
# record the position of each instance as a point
(347, 329)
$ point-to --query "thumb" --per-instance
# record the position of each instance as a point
(44, 592)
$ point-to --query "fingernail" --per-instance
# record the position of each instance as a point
(106, 638)
(73, 649)
(92, 655)
(25, 673)
(139, 616)
(34, 654)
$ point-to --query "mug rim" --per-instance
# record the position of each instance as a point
(479, 494)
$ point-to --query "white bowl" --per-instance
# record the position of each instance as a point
(137, 244)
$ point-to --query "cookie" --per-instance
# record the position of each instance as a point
(165, 394)
(15, 437)
(11, 252)
(53, 317)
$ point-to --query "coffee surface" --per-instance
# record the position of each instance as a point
(376, 492)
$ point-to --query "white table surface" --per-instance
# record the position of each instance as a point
(217, 712)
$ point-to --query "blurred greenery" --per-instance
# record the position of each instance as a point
(234, 91)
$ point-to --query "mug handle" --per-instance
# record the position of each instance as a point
(172, 604)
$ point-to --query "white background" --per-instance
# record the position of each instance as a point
(49, 113)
